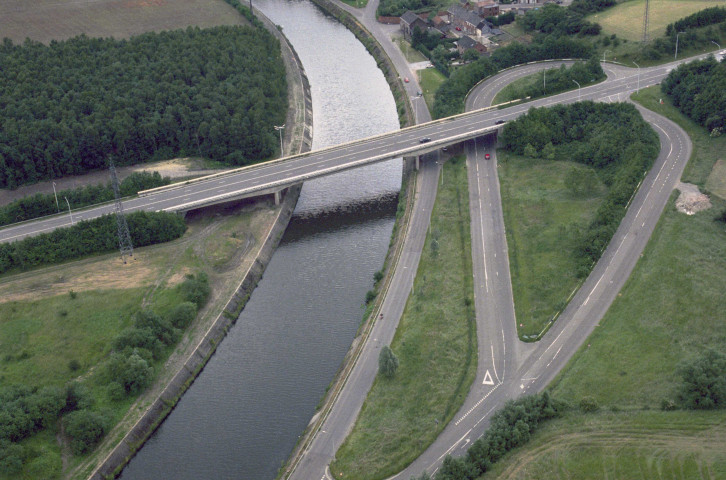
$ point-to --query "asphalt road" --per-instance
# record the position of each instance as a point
(507, 367)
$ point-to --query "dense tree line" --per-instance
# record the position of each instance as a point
(42, 204)
(511, 427)
(451, 94)
(503, 19)
(89, 237)
(396, 8)
(698, 89)
(707, 16)
(691, 35)
(610, 137)
(563, 78)
(553, 19)
(65, 107)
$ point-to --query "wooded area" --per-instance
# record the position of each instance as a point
(67, 106)
(698, 90)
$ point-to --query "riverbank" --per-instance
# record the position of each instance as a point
(184, 366)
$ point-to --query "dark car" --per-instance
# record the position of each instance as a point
(425, 140)
(498, 122)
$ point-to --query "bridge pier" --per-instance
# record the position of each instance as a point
(277, 197)
(418, 161)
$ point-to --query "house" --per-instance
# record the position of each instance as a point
(410, 21)
(487, 9)
(464, 20)
(467, 43)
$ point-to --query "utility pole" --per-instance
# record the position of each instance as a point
(56, 198)
(544, 82)
(124, 237)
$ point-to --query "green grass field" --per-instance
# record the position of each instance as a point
(637, 445)
(430, 80)
(672, 306)
(540, 212)
(412, 55)
(626, 19)
(436, 346)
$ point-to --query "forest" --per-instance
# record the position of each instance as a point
(698, 89)
(612, 138)
(67, 106)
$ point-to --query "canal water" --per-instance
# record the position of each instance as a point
(243, 415)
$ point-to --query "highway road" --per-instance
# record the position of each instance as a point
(515, 368)
(277, 174)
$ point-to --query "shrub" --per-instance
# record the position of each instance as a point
(589, 405)
(182, 315)
(11, 458)
(387, 362)
(195, 289)
(85, 428)
(704, 381)
(78, 397)
(131, 371)
(148, 321)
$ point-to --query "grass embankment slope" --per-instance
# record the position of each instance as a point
(626, 18)
(46, 20)
(44, 327)
(671, 308)
(435, 344)
(540, 214)
(430, 80)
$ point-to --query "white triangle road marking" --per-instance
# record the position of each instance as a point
(487, 379)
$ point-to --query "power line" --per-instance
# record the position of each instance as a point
(124, 238)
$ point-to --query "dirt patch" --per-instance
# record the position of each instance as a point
(716, 182)
(691, 200)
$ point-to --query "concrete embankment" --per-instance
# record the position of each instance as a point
(298, 139)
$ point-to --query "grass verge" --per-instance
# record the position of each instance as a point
(673, 304)
(410, 54)
(625, 445)
(430, 79)
(542, 217)
(435, 344)
(516, 90)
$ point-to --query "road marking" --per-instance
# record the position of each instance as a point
(472, 409)
(487, 379)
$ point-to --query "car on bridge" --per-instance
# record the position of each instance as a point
(425, 140)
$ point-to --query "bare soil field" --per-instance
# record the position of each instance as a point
(46, 20)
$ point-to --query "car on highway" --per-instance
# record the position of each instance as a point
(498, 122)
(425, 140)
(487, 156)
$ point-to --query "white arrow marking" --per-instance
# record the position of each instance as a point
(487, 379)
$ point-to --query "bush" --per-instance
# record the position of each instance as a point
(131, 371)
(138, 338)
(589, 405)
(11, 458)
(183, 314)
(86, 428)
(704, 381)
(78, 397)
(387, 362)
(160, 328)
(195, 289)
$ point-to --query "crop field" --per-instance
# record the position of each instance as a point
(46, 20)
(627, 445)
(626, 19)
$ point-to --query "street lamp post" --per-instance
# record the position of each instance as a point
(638, 89)
(280, 129)
(544, 81)
(69, 210)
(578, 90)
(675, 57)
(604, 53)
(56, 198)
(716, 43)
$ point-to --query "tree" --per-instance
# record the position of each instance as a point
(132, 372)
(183, 314)
(85, 428)
(704, 381)
(387, 362)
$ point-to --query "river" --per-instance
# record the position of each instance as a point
(244, 413)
